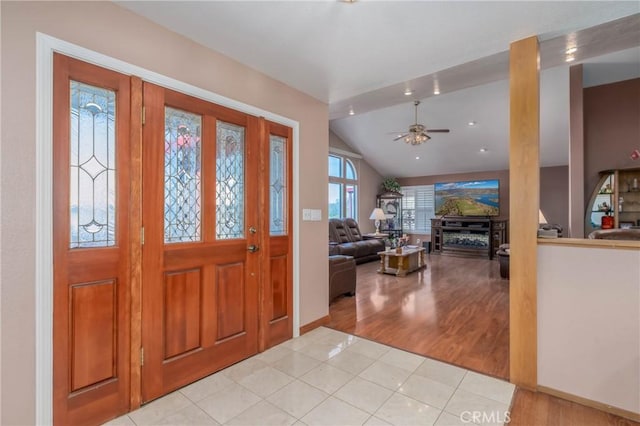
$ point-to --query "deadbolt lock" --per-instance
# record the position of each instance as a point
(252, 229)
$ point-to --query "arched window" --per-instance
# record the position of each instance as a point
(343, 187)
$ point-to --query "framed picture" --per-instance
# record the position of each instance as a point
(626, 225)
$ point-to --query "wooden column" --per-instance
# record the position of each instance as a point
(524, 182)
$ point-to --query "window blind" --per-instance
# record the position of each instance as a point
(418, 208)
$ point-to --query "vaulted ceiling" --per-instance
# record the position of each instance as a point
(363, 56)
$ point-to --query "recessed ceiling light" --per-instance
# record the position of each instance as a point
(351, 112)
(436, 91)
(408, 92)
(417, 158)
(484, 150)
(570, 58)
(472, 123)
(571, 50)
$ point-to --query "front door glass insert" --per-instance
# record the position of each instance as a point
(229, 181)
(278, 185)
(182, 176)
(92, 166)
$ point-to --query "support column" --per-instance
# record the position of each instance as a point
(524, 193)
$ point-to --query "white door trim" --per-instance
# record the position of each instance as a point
(45, 46)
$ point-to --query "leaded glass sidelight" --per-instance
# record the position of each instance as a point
(229, 181)
(182, 177)
(92, 166)
(277, 185)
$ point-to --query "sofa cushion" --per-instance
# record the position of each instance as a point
(338, 231)
(353, 229)
(347, 249)
(369, 247)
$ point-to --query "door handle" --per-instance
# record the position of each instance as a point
(253, 248)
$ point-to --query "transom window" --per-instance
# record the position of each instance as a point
(343, 187)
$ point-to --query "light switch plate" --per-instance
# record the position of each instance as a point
(316, 214)
(311, 215)
(306, 214)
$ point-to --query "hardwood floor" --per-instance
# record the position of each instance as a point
(457, 311)
(537, 408)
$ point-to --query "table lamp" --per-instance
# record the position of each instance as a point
(377, 214)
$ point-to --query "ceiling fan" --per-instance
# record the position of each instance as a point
(418, 133)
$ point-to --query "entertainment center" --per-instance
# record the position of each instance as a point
(468, 236)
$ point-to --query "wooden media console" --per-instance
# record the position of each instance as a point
(468, 236)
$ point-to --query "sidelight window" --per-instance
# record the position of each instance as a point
(92, 166)
(277, 185)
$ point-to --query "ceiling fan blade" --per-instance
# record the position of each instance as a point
(438, 130)
(400, 136)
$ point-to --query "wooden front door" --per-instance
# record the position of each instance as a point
(201, 257)
(216, 240)
(277, 272)
(91, 181)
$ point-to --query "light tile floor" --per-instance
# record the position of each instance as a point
(327, 377)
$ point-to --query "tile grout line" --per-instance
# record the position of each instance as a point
(325, 338)
(452, 394)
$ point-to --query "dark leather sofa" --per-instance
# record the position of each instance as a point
(615, 234)
(345, 239)
(342, 276)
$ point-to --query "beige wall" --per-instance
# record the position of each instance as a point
(554, 195)
(370, 181)
(116, 32)
(611, 129)
(368, 188)
(589, 323)
(336, 142)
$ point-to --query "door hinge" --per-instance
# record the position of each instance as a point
(143, 115)
(141, 356)
(142, 235)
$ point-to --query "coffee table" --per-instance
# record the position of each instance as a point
(401, 263)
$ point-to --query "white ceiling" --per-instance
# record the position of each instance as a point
(372, 133)
(364, 54)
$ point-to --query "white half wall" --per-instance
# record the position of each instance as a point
(589, 323)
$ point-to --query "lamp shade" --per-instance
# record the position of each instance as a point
(377, 214)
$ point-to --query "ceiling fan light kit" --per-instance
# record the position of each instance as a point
(418, 133)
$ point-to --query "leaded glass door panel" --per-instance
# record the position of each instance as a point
(200, 198)
(276, 187)
(91, 254)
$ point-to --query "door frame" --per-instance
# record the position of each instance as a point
(45, 47)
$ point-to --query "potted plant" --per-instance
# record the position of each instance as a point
(390, 184)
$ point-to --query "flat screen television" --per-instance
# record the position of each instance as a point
(472, 198)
